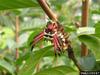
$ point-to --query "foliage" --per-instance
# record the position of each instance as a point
(42, 61)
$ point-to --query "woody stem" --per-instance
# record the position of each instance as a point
(84, 23)
(47, 10)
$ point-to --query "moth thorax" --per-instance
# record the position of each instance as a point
(48, 35)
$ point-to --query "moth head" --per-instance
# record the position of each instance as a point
(51, 26)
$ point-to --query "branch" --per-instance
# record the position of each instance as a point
(84, 23)
(17, 41)
(17, 36)
(85, 9)
(47, 10)
(73, 58)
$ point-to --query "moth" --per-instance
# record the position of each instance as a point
(55, 33)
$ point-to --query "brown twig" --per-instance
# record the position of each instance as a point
(17, 40)
(37, 67)
(17, 36)
(47, 10)
(77, 24)
(73, 58)
(84, 23)
(85, 9)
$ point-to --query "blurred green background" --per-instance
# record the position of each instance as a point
(41, 61)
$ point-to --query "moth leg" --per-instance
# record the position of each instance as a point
(57, 48)
(36, 39)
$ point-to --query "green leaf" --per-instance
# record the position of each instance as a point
(91, 42)
(14, 4)
(7, 66)
(22, 58)
(69, 29)
(97, 66)
(60, 70)
(34, 59)
(32, 35)
(85, 62)
(97, 30)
